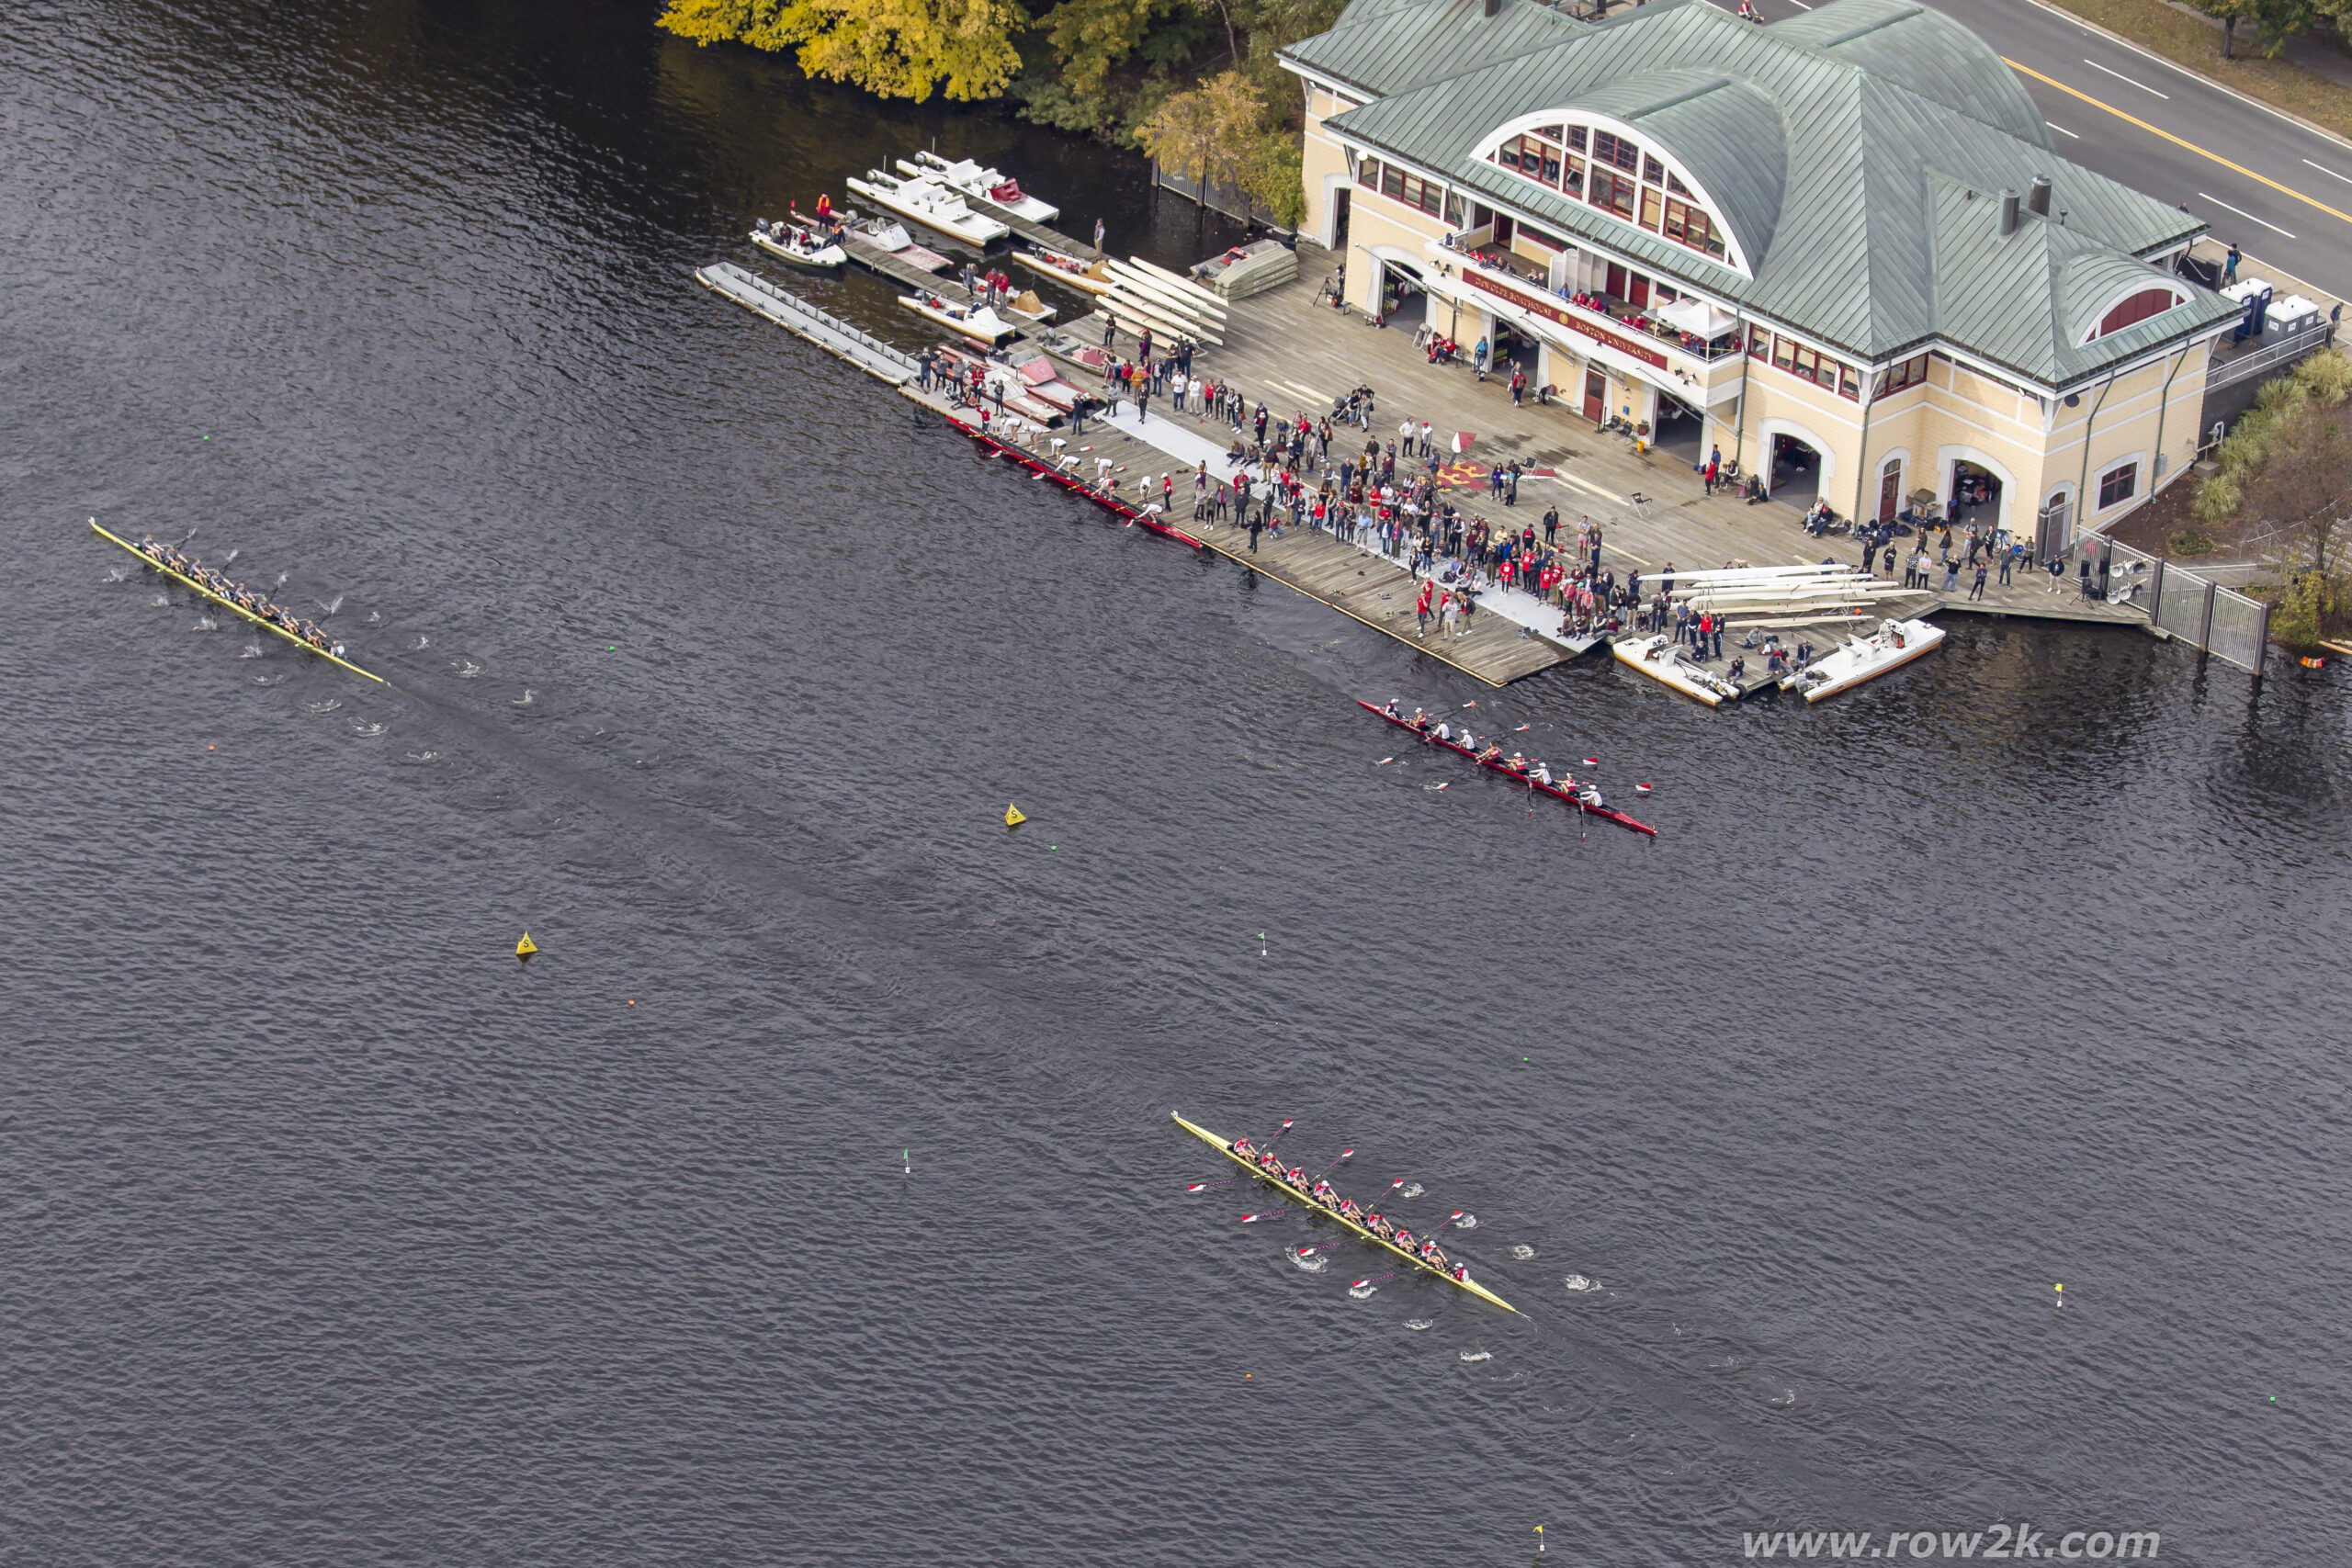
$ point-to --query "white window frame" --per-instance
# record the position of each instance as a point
(1733, 259)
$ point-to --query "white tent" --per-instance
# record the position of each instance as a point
(1697, 318)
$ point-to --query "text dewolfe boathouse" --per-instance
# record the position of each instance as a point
(1841, 242)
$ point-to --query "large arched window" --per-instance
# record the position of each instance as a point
(2136, 308)
(1606, 168)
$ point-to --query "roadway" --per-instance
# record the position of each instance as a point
(2281, 191)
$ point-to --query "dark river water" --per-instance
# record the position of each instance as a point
(332, 1236)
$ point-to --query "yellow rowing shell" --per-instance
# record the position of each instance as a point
(1225, 1149)
(228, 604)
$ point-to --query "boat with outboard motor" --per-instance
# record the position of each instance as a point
(800, 246)
(242, 603)
(1863, 658)
(930, 204)
(1074, 272)
(978, 322)
(1324, 1201)
(1583, 795)
(1662, 659)
(982, 184)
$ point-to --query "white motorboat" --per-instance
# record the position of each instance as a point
(930, 204)
(1863, 658)
(978, 322)
(983, 184)
(1662, 659)
(1088, 277)
(800, 246)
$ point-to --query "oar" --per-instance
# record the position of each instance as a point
(1345, 1155)
(1371, 1280)
(1205, 1186)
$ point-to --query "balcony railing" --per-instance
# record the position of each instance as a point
(1596, 314)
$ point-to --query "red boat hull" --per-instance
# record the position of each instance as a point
(1070, 481)
(1552, 790)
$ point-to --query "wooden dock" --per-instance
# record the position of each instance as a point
(873, 258)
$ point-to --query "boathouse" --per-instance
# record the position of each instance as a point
(1841, 246)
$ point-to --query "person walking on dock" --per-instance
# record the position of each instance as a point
(1422, 606)
(1257, 521)
(1976, 589)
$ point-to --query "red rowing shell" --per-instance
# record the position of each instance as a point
(1552, 790)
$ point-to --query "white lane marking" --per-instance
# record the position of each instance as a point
(2243, 213)
(2324, 169)
(2063, 132)
(1307, 393)
(2122, 78)
(1800, 5)
(2202, 79)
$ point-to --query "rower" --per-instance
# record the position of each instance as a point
(1391, 709)
(1421, 718)
(1542, 775)
(1445, 730)
(1490, 753)
(1348, 1212)
(1242, 1146)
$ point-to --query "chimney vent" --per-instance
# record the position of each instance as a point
(2008, 212)
(2037, 196)
(1494, 8)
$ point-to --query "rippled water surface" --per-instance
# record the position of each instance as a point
(335, 1236)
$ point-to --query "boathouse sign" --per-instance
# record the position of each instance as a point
(1552, 313)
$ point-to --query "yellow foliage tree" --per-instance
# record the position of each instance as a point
(898, 49)
(1209, 135)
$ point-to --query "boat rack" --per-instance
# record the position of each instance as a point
(795, 315)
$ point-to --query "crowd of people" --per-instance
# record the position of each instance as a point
(254, 604)
(1319, 1191)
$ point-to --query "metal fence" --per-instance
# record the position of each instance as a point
(2193, 608)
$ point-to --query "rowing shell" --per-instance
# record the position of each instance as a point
(1225, 1148)
(228, 604)
(1571, 798)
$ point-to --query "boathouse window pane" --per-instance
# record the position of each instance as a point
(1535, 236)
(1368, 173)
(1572, 178)
(1759, 344)
(1432, 198)
(1652, 170)
(1611, 148)
(1575, 139)
(1650, 199)
(1551, 165)
(1677, 186)
(1612, 192)
(1782, 350)
(2117, 484)
(1850, 383)
(1392, 181)
(1453, 212)
(1549, 132)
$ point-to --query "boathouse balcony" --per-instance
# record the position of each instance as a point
(1487, 273)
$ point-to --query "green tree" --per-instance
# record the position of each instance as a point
(2285, 474)
(2273, 20)
(895, 49)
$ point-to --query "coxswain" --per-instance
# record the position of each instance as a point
(1462, 1272)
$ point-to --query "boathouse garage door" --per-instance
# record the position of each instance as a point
(1596, 395)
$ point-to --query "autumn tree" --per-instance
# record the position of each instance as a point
(895, 49)
(2286, 475)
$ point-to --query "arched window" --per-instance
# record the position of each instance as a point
(2137, 308)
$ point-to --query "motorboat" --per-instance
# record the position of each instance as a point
(1087, 276)
(983, 184)
(977, 323)
(799, 245)
(930, 204)
(889, 234)
(1662, 659)
(1863, 658)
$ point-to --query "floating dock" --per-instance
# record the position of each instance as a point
(797, 316)
(873, 258)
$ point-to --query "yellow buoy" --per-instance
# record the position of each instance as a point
(524, 948)
(1012, 818)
